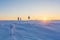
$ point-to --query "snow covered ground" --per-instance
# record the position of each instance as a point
(29, 30)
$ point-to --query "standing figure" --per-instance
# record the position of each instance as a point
(18, 18)
(28, 17)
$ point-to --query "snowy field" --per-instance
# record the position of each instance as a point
(29, 30)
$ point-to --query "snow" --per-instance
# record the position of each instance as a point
(29, 30)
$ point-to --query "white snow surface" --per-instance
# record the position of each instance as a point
(29, 30)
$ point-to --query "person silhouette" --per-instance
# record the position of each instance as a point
(18, 18)
(28, 17)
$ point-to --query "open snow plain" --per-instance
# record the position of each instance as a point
(29, 30)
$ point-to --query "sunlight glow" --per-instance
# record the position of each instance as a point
(44, 19)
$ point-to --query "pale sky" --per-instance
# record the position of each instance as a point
(36, 8)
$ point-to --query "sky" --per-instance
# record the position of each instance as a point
(37, 9)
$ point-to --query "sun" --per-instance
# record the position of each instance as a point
(44, 18)
(44, 21)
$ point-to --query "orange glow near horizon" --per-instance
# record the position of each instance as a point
(44, 20)
(32, 18)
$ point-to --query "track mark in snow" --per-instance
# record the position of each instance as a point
(12, 27)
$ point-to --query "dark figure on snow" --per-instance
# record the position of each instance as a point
(28, 17)
(18, 18)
